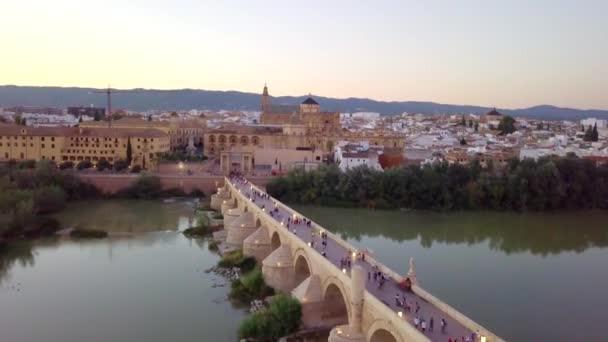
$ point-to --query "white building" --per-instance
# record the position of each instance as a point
(348, 156)
(592, 121)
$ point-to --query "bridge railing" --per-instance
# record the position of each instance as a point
(418, 290)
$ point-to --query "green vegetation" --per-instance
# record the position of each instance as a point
(551, 183)
(281, 318)
(103, 165)
(249, 287)
(129, 151)
(176, 156)
(120, 165)
(237, 259)
(201, 229)
(506, 125)
(218, 216)
(88, 233)
(66, 165)
(85, 164)
(213, 246)
(28, 191)
(591, 134)
(150, 187)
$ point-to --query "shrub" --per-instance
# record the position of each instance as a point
(213, 246)
(218, 216)
(85, 164)
(251, 286)
(44, 225)
(27, 164)
(145, 187)
(49, 199)
(120, 165)
(66, 165)
(197, 231)
(136, 169)
(88, 233)
(103, 165)
(280, 319)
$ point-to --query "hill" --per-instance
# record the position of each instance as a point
(184, 99)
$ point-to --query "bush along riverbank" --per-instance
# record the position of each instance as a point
(31, 191)
(81, 233)
(282, 317)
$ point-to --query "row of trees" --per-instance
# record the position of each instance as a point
(550, 183)
(591, 134)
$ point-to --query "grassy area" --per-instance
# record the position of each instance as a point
(81, 233)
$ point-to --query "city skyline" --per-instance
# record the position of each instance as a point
(513, 55)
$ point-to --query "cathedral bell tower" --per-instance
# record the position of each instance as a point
(265, 100)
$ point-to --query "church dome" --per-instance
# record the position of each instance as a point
(493, 112)
(310, 101)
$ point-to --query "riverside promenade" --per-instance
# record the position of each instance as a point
(418, 302)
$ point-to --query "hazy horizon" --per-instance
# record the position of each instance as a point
(509, 55)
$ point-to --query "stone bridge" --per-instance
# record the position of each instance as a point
(332, 294)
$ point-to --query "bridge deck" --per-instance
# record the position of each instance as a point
(335, 251)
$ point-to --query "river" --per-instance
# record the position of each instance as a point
(526, 277)
(149, 287)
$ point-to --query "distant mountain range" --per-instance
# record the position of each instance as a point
(184, 99)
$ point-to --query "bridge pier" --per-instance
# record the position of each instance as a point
(310, 295)
(278, 269)
(226, 205)
(218, 198)
(352, 332)
(239, 229)
(230, 215)
(257, 245)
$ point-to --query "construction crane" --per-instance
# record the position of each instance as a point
(109, 91)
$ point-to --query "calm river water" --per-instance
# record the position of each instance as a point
(150, 287)
(527, 277)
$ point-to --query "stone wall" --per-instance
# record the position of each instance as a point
(111, 184)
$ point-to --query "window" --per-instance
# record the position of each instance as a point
(52, 138)
(42, 145)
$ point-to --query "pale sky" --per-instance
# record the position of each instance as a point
(508, 53)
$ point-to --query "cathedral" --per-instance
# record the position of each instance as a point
(307, 114)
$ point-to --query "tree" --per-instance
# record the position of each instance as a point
(463, 122)
(470, 123)
(97, 116)
(129, 151)
(506, 125)
(539, 126)
(150, 117)
(102, 165)
(463, 141)
(49, 199)
(594, 134)
(477, 127)
(85, 164)
(589, 134)
(80, 119)
(120, 165)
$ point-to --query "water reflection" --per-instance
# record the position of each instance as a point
(539, 234)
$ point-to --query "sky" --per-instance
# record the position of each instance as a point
(508, 54)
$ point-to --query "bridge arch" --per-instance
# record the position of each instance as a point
(336, 309)
(275, 241)
(302, 267)
(383, 331)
